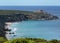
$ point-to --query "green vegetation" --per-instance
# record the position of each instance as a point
(31, 40)
(2, 39)
(14, 12)
(28, 40)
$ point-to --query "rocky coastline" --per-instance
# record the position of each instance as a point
(16, 15)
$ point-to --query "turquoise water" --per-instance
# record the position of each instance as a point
(37, 29)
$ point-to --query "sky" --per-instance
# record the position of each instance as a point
(29, 2)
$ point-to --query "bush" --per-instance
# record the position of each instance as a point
(54, 41)
(31, 40)
(26, 40)
(2, 39)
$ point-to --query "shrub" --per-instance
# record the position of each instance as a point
(2, 39)
(54, 41)
(26, 40)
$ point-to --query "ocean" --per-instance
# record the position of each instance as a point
(46, 29)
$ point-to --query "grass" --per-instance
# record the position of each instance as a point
(31, 40)
(28, 40)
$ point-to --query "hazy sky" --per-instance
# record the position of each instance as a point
(29, 2)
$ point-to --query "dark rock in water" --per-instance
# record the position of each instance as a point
(7, 29)
(11, 33)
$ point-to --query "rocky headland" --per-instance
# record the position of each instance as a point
(17, 15)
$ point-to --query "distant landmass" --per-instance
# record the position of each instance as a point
(26, 15)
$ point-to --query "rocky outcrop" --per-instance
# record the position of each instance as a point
(9, 18)
(13, 18)
(41, 15)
